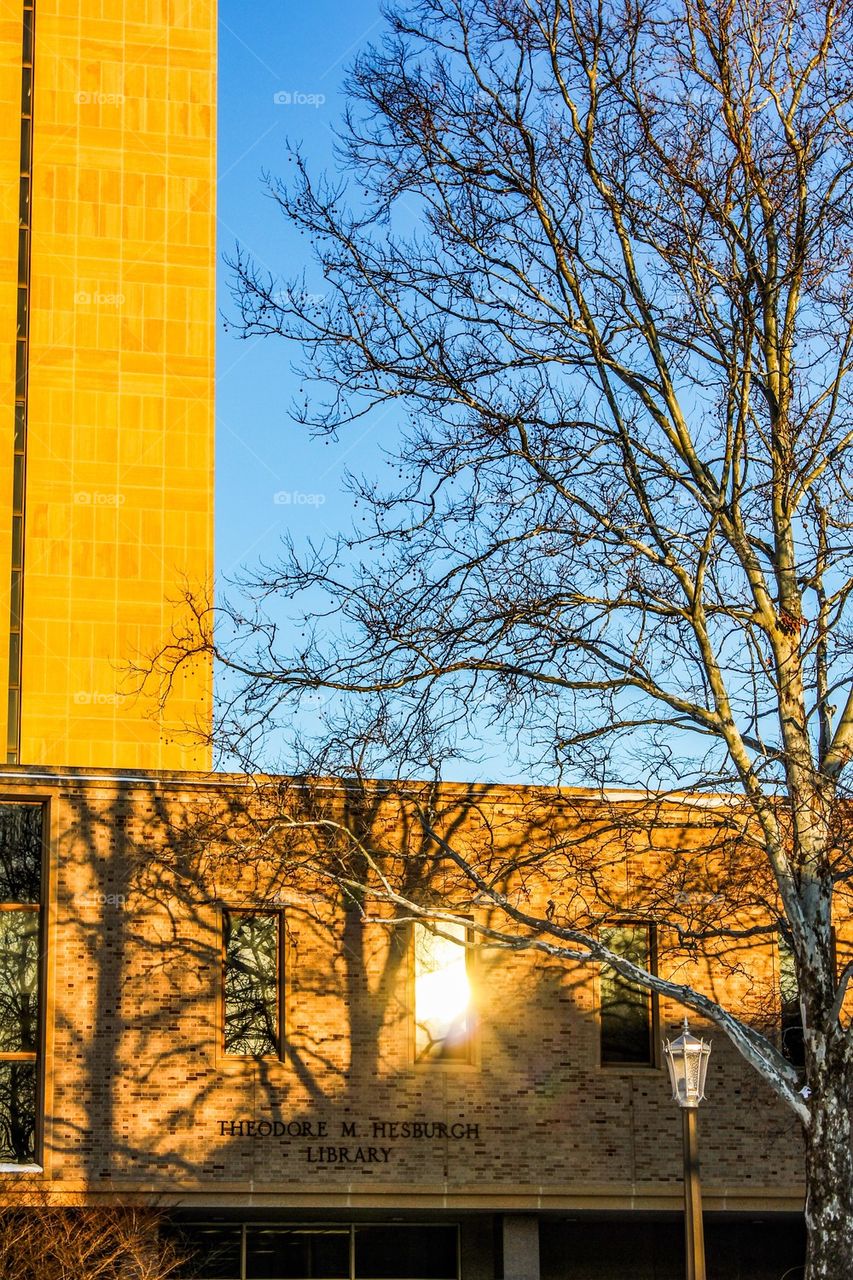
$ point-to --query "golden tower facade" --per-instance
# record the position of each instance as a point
(107, 325)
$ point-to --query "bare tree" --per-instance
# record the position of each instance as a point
(43, 1241)
(598, 258)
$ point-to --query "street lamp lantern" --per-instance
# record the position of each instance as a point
(687, 1063)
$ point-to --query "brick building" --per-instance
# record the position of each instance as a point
(316, 1095)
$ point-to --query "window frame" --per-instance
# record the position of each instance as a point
(471, 1059)
(223, 1054)
(32, 909)
(653, 1062)
(38, 1057)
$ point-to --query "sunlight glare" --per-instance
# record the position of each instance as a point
(442, 988)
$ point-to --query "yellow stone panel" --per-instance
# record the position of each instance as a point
(120, 446)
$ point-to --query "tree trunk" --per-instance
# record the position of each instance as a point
(829, 1177)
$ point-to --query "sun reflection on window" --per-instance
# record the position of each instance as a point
(442, 992)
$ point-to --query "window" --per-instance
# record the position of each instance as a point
(291, 1253)
(215, 1252)
(341, 1251)
(20, 912)
(406, 1253)
(793, 1045)
(443, 1016)
(251, 950)
(628, 1011)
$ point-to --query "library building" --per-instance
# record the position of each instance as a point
(321, 1087)
(309, 1080)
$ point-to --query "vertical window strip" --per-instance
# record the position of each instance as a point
(251, 983)
(21, 855)
(22, 357)
(442, 996)
(627, 1010)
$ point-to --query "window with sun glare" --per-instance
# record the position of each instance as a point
(442, 992)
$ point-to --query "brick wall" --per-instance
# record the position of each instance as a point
(139, 1096)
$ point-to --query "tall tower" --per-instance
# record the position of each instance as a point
(107, 317)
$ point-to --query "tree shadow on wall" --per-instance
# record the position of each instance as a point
(143, 1099)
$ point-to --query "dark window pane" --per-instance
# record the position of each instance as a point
(24, 202)
(23, 254)
(251, 983)
(26, 143)
(626, 1009)
(297, 1253)
(17, 1112)
(26, 91)
(17, 563)
(27, 52)
(20, 852)
(19, 969)
(214, 1252)
(20, 427)
(406, 1253)
(16, 585)
(23, 302)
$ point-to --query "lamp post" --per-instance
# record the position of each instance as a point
(687, 1063)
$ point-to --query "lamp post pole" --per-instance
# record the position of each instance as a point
(687, 1061)
(693, 1230)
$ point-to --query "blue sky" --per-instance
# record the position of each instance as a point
(275, 50)
(269, 49)
(281, 72)
(300, 53)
